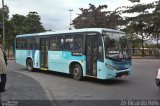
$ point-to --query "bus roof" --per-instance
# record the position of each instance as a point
(71, 31)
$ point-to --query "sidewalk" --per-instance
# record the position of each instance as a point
(22, 90)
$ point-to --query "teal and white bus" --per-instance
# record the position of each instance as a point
(90, 52)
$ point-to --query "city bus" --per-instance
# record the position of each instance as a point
(90, 52)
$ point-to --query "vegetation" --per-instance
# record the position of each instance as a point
(98, 17)
(19, 24)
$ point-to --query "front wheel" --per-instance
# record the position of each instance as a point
(29, 65)
(77, 72)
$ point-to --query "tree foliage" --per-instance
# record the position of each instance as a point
(19, 24)
(32, 23)
(6, 12)
(6, 16)
(97, 17)
(27, 24)
(147, 21)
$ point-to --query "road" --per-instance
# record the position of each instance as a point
(140, 85)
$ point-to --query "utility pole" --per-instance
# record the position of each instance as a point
(3, 25)
(70, 10)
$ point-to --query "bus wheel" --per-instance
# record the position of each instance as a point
(29, 65)
(77, 72)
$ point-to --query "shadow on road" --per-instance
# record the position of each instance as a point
(113, 81)
(108, 81)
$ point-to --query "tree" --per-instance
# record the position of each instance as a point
(92, 17)
(131, 32)
(6, 17)
(8, 29)
(27, 24)
(18, 23)
(154, 22)
(139, 22)
(32, 23)
(97, 17)
(6, 12)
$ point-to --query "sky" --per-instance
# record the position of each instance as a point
(55, 14)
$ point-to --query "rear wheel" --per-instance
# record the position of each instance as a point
(77, 72)
(29, 65)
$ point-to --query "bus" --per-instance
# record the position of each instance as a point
(90, 52)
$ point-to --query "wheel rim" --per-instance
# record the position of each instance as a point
(76, 71)
(29, 65)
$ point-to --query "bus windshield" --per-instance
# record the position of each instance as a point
(116, 46)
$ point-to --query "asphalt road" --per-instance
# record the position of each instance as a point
(140, 85)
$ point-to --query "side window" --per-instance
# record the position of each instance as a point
(29, 43)
(69, 43)
(53, 43)
(74, 42)
(18, 43)
(78, 43)
(60, 42)
(21, 43)
(34, 44)
(56, 43)
(100, 50)
(26, 43)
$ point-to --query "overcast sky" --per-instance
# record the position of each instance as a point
(55, 14)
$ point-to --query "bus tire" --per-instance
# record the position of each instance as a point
(29, 65)
(77, 72)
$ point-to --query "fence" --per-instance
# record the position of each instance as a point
(147, 51)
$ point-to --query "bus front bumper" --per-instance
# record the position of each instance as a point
(122, 74)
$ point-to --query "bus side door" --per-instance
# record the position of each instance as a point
(91, 53)
(44, 45)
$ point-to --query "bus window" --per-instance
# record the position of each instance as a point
(21, 43)
(74, 42)
(56, 43)
(78, 43)
(28, 43)
(69, 43)
(60, 42)
(34, 44)
(53, 43)
(17, 43)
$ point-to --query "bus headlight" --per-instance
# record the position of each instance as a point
(109, 66)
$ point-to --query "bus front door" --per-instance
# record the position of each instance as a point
(91, 53)
(44, 45)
